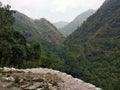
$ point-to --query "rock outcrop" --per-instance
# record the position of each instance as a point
(41, 79)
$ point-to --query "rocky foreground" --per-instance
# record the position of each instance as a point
(40, 79)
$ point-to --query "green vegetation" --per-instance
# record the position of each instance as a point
(14, 50)
(91, 53)
(93, 50)
(41, 31)
(13, 44)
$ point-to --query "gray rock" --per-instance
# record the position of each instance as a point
(30, 88)
(5, 69)
(39, 89)
(34, 86)
(10, 78)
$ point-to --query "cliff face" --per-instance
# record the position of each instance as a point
(40, 79)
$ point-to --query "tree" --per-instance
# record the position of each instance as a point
(12, 43)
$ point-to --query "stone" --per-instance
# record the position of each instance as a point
(10, 79)
(24, 86)
(13, 69)
(90, 85)
(21, 80)
(5, 69)
(98, 89)
(39, 89)
(30, 88)
(34, 86)
(37, 84)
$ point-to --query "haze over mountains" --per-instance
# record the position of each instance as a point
(60, 24)
(91, 52)
(93, 49)
(99, 24)
(77, 22)
(43, 29)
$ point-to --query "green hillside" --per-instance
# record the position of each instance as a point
(94, 22)
(41, 31)
(91, 52)
(49, 32)
(95, 48)
(27, 27)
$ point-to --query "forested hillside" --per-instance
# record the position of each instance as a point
(41, 31)
(95, 48)
(48, 32)
(13, 46)
(27, 27)
(91, 53)
(15, 51)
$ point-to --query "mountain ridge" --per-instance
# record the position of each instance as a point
(97, 18)
(77, 22)
(96, 45)
(41, 31)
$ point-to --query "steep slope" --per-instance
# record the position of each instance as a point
(95, 22)
(27, 27)
(77, 22)
(60, 24)
(48, 31)
(41, 31)
(95, 47)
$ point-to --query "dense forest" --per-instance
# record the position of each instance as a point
(15, 51)
(91, 53)
(95, 47)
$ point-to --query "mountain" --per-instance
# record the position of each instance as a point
(60, 24)
(48, 31)
(95, 47)
(27, 27)
(93, 25)
(41, 31)
(77, 22)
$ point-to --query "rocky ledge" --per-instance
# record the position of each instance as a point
(40, 79)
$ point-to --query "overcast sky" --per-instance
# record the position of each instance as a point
(53, 10)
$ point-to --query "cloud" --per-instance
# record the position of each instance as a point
(63, 5)
(53, 10)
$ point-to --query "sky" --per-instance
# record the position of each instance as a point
(53, 10)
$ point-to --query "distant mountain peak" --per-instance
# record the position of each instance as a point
(60, 24)
(77, 22)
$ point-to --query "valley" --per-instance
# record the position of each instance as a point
(87, 48)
